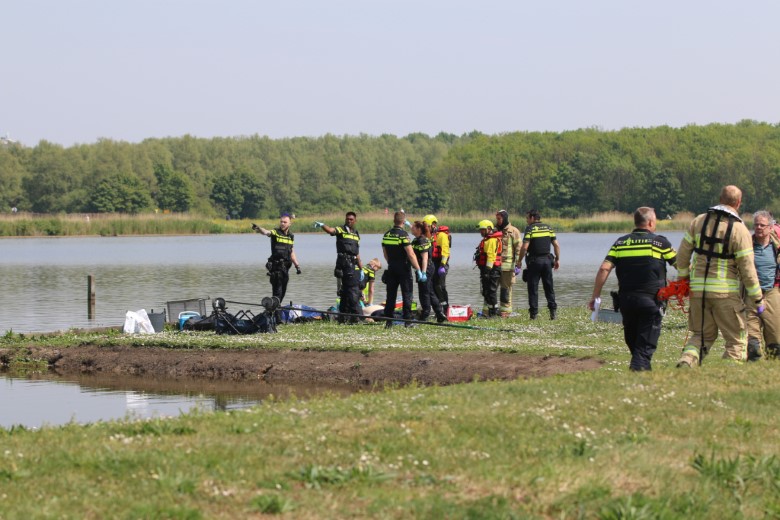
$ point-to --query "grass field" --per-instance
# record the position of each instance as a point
(602, 444)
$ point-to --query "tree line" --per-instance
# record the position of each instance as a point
(564, 174)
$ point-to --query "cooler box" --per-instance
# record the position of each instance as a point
(459, 313)
(184, 316)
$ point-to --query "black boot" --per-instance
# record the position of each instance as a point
(553, 314)
(753, 349)
(441, 318)
(532, 315)
(773, 351)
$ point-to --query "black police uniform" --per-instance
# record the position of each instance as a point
(428, 298)
(347, 251)
(640, 260)
(280, 261)
(398, 272)
(539, 261)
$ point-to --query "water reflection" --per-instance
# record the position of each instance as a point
(50, 399)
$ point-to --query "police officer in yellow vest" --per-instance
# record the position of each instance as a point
(640, 259)
(282, 257)
(538, 238)
(349, 268)
(716, 254)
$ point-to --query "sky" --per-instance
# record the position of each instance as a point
(77, 71)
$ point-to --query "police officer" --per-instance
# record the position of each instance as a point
(282, 257)
(723, 259)
(349, 268)
(640, 259)
(537, 239)
(399, 255)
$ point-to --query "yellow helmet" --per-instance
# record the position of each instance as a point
(485, 224)
(430, 219)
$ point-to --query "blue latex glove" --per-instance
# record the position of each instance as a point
(517, 271)
(319, 224)
(362, 275)
(760, 309)
(442, 270)
(407, 223)
(421, 276)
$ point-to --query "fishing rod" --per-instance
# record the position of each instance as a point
(271, 307)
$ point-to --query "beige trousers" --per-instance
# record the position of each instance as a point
(766, 328)
(726, 315)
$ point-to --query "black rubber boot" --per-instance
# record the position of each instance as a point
(753, 349)
(773, 351)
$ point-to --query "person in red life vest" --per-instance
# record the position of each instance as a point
(422, 249)
(488, 258)
(442, 241)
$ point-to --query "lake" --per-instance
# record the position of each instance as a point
(45, 289)
(45, 279)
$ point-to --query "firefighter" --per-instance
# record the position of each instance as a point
(399, 255)
(766, 328)
(537, 239)
(723, 258)
(488, 258)
(442, 241)
(282, 257)
(640, 260)
(349, 269)
(510, 244)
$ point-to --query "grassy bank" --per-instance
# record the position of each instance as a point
(603, 444)
(28, 225)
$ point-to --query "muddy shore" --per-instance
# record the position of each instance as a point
(294, 366)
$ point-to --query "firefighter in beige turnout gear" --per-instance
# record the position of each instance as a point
(716, 253)
(512, 240)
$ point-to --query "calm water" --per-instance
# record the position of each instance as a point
(44, 288)
(44, 280)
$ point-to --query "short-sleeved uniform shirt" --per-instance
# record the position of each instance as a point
(640, 260)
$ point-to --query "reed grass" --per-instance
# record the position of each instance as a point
(34, 225)
(602, 444)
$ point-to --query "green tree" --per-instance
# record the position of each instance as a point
(240, 195)
(174, 189)
(120, 194)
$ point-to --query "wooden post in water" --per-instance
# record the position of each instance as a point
(90, 297)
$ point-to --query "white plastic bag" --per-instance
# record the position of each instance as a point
(594, 316)
(138, 323)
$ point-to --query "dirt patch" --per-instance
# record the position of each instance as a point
(290, 366)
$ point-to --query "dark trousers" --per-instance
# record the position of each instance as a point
(349, 293)
(428, 298)
(395, 278)
(641, 327)
(279, 279)
(540, 268)
(489, 281)
(440, 284)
